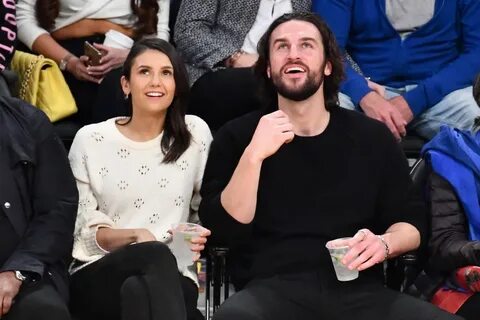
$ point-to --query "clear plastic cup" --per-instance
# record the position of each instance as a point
(338, 248)
(183, 233)
(116, 39)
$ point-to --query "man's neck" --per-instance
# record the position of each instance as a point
(309, 117)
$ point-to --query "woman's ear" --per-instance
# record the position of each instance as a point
(125, 85)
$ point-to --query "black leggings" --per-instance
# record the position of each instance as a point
(135, 282)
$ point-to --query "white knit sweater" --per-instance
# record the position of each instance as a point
(71, 11)
(124, 184)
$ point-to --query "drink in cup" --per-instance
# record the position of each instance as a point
(338, 248)
(183, 233)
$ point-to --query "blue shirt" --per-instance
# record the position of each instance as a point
(440, 57)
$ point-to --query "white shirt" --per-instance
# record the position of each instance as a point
(124, 184)
(71, 11)
(268, 11)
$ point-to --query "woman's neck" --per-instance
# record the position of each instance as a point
(143, 128)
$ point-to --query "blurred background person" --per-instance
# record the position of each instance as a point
(58, 29)
(218, 41)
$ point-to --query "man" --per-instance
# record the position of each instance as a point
(293, 177)
(417, 60)
(218, 40)
(38, 199)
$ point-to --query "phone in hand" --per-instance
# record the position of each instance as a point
(93, 53)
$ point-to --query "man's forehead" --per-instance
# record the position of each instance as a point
(295, 29)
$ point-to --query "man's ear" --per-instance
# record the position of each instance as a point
(125, 85)
(328, 69)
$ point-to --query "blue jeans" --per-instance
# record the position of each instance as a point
(458, 109)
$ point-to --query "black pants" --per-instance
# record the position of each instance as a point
(310, 297)
(223, 95)
(135, 282)
(470, 310)
(39, 301)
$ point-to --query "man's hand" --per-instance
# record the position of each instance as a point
(112, 59)
(273, 130)
(402, 106)
(378, 88)
(377, 107)
(9, 287)
(366, 250)
(245, 60)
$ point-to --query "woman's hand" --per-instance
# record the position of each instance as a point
(113, 58)
(143, 235)
(198, 243)
(366, 250)
(78, 67)
(110, 239)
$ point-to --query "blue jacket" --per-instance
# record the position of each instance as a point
(440, 57)
(455, 156)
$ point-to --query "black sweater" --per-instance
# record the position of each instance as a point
(314, 189)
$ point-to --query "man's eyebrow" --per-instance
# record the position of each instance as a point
(301, 39)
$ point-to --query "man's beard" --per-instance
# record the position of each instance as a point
(303, 92)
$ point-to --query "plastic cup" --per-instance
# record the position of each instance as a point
(338, 248)
(183, 233)
(116, 39)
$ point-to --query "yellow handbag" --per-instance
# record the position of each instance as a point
(42, 84)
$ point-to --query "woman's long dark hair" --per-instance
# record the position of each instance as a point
(47, 11)
(176, 137)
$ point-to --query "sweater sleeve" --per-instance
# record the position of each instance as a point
(89, 217)
(449, 246)
(163, 31)
(28, 28)
(338, 14)
(196, 34)
(224, 155)
(461, 72)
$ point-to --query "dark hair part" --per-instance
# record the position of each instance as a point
(46, 11)
(332, 55)
(176, 137)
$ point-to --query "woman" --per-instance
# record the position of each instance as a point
(136, 177)
(58, 29)
(453, 273)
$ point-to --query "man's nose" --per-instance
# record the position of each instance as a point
(293, 53)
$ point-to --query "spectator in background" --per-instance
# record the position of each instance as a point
(8, 39)
(136, 177)
(218, 41)
(423, 55)
(452, 278)
(58, 29)
(37, 215)
(8, 32)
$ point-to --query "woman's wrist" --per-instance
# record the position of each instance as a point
(230, 61)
